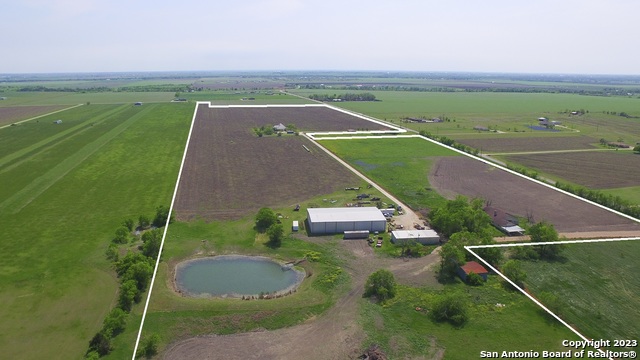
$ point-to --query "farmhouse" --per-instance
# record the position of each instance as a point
(279, 127)
(339, 220)
(504, 221)
(543, 121)
(424, 237)
(472, 266)
(480, 128)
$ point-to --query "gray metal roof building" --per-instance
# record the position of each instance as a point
(424, 237)
(339, 220)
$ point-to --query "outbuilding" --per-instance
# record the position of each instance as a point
(504, 221)
(472, 266)
(424, 237)
(279, 127)
(341, 219)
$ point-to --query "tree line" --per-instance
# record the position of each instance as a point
(343, 97)
(134, 271)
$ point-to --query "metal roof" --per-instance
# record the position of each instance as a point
(414, 234)
(345, 214)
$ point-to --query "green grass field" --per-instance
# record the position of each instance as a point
(68, 187)
(597, 284)
(401, 166)
(404, 333)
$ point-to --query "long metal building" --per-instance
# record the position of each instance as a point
(339, 220)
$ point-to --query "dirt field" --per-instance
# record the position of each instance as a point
(496, 144)
(462, 175)
(334, 335)
(596, 170)
(229, 172)
(12, 114)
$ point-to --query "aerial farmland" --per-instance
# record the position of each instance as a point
(246, 150)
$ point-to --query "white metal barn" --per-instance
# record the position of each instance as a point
(424, 237)
(339, 220)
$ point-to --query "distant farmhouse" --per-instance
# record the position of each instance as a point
(504, 221)
(279, 127)
(543, 121)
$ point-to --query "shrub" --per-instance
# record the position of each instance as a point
(380, 284)
(452, 308)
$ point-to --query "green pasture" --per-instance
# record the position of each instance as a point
(597, 285)
(629, 193)
(225, 97)
(404, 333)
(174, 317)
(508, 112)
(66, 188)
(401, 166)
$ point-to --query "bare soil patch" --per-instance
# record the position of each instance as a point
(462, 175)
(13, 114)
(596, 170)
(229, 172)
(496, 144)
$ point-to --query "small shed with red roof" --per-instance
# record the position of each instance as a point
(472, 266)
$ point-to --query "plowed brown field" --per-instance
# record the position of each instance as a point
(596, 170)
(462, 175)
(12, 114)
(548, 143)
(229, 172)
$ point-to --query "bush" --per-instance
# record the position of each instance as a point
(122, 235)
(149, 346)
(162, 213)
(265, 218)
(474, 279)
(144, 221)
(275, 233)
(452, 308)
(380, 284)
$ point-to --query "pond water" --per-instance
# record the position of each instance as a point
(235, 276)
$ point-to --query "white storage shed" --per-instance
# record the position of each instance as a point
(424, 237)
(339, 220)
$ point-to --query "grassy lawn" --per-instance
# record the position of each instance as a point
(68, 187)
(403, 332)
(597, 285)
(401, 166)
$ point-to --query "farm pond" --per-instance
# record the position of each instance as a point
(235, 276)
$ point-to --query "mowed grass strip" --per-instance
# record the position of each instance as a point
(597, 285)
(56, 285)
(399, 165)
(68, 162)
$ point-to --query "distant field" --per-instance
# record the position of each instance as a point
(72, 98)
(548, 143)
(597, 285)
(401, 166)
(12, 114)
(597, 170)
(236, 97)
(65, 189)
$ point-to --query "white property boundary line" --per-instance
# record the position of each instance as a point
(164, 234)
(470, 249)
(310, 135)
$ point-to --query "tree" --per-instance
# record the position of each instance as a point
(144, 221)
(551, 302)
(513, 271)
(162, 213)
(460, 215)
(122, 235)
(544, 232)
(100, 343)
(115, 322)
(265, 218)
(451, 307)
(129, 224)
(451, 255)
(380, 284)
(128, 295)
(636, 149)
(141, 273)
(151, 243)
(275, 233)
(112, 252)
(149, 346)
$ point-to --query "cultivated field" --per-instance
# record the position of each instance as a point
(462, 175)
(596, 170)
(548, 143)
(230, 172)
(12, 114)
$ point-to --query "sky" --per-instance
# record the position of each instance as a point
(509, 36)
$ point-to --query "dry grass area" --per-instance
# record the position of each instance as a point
(229, 172)
(462, 175)
(548, 143)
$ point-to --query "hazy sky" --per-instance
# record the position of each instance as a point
(550, 36)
